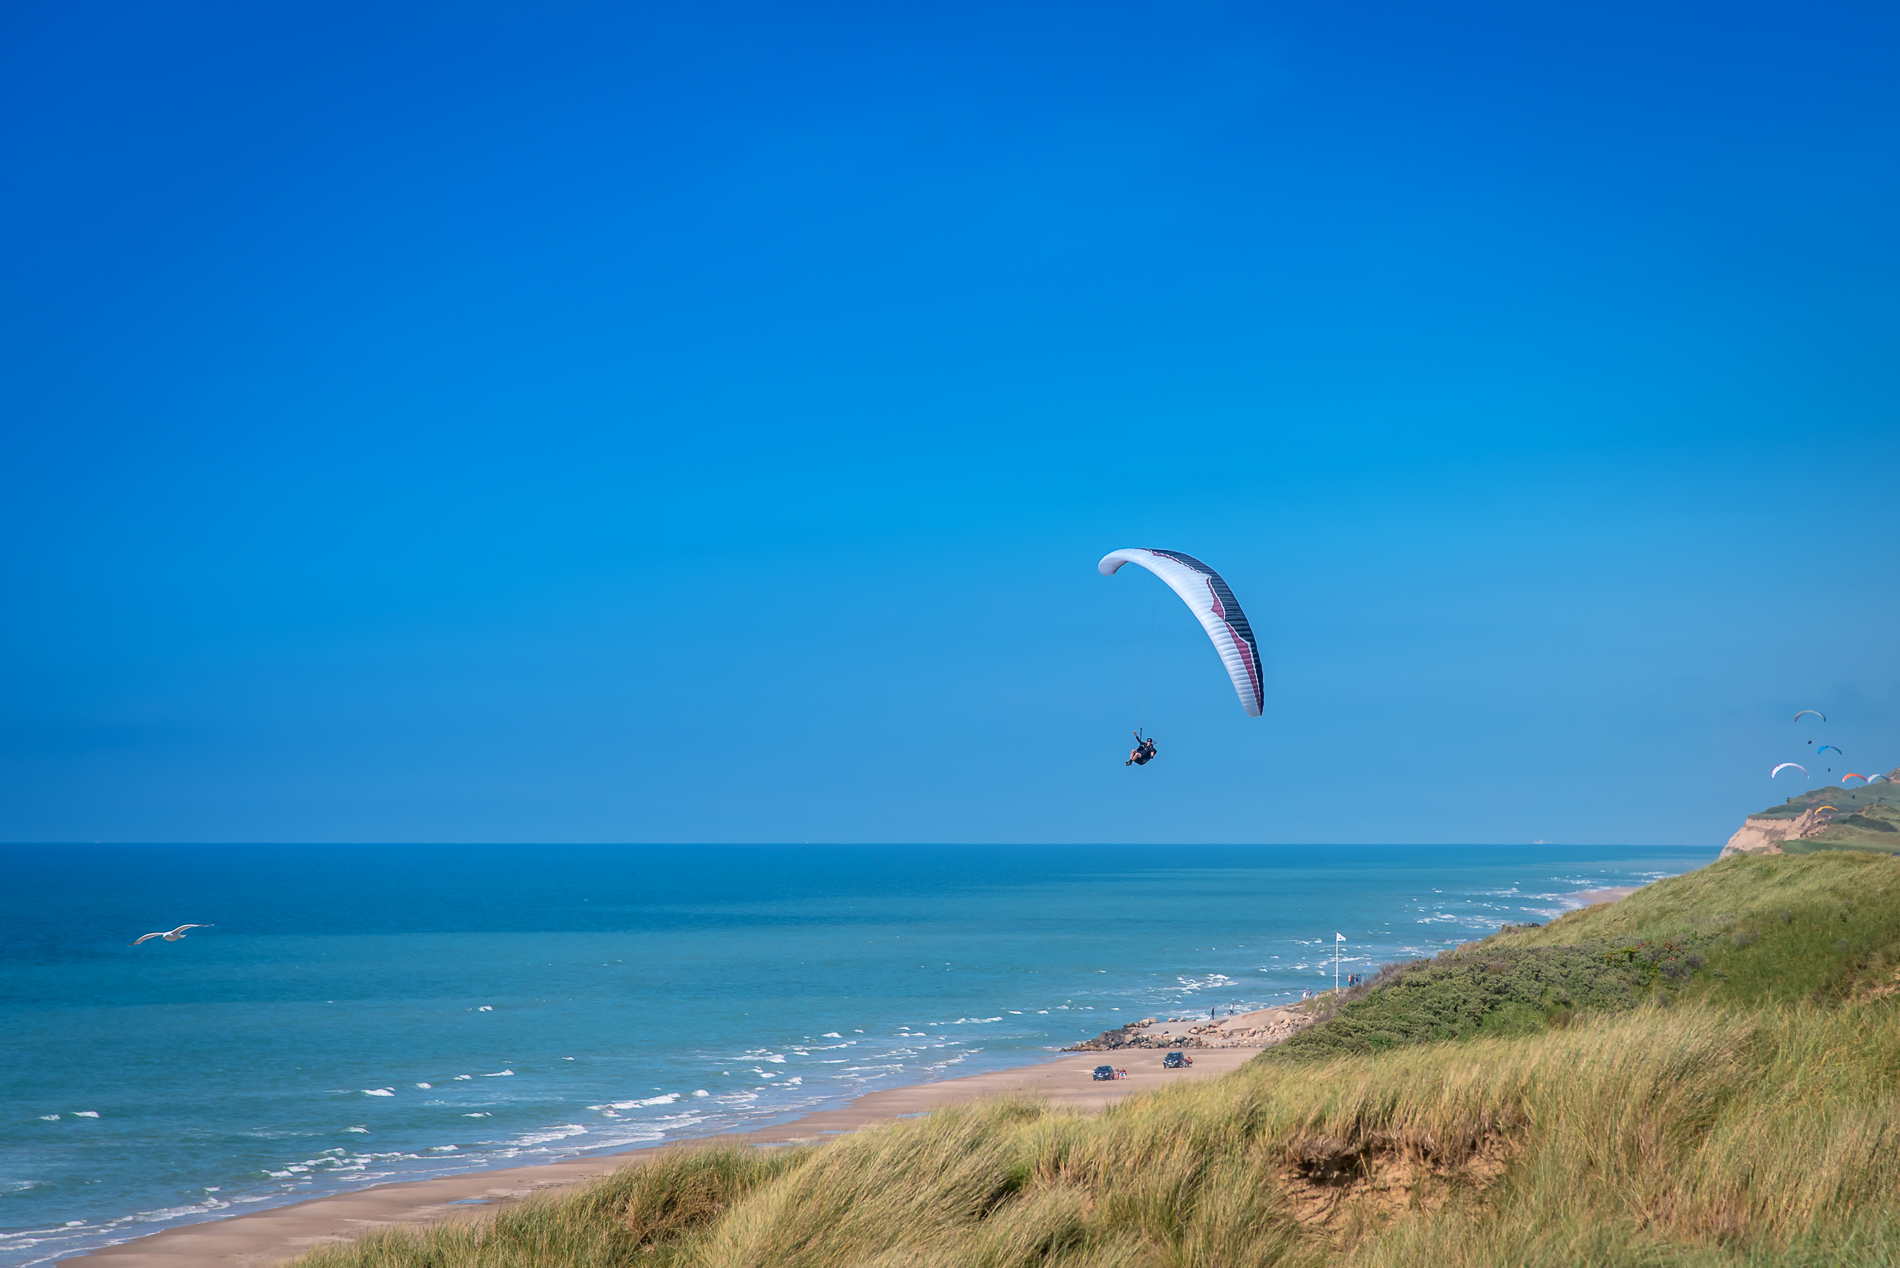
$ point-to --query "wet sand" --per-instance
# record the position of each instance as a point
(268, 1237)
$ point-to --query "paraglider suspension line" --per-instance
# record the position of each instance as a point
(1147, 663)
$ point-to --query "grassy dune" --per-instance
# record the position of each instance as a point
(1727, 1095)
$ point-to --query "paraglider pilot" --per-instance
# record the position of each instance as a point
(1142, 753)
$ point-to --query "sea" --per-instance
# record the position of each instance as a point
(355, 1015)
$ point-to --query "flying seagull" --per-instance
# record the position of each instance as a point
(173, 936)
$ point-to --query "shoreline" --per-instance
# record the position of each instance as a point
(1591, 897)
(259, 1239)
(275, 1235)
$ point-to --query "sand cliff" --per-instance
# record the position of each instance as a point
(1762, 835)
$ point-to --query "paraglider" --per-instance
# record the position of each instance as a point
(1854, 775)
(1208, 597)
(1142, 753)
(1805, 712)
(1825, 747)
(1784, 766)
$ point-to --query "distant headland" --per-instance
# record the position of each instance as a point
(1830, 818)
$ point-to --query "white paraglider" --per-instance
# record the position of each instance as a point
(1784, 766)
(1208, 597)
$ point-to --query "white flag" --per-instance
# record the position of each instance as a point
(1338, 937)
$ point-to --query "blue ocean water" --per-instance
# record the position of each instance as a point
(361, 1014)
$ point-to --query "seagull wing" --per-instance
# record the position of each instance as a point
(181, 928)
(148, 937)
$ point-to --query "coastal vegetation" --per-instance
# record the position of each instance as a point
(1702, 1074)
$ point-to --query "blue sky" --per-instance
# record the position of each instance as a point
(656, 423)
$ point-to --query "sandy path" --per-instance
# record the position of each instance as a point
(268, 1237)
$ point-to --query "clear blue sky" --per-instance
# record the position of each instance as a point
(546, 422)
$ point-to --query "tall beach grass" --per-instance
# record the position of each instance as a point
(1683, 1130)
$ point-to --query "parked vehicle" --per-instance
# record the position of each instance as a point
(1176, 1061)
(1104, 1072)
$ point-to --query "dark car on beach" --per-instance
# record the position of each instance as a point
(1176, 1061)
(1103, 1072)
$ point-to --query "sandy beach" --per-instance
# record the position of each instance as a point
(1591, 897)
(268, 1237)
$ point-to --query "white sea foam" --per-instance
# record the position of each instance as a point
(486, 1008)
(85, 1113)
(702, 1092)
(666, 1098)
(425, 1085)
(51, 1118)
(460, 1077)
(562, 1132)
(484, 1114)
(499, 1074)
(364, 1130)
(379, 1091)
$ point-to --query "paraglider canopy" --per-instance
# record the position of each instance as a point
(1208, 597)
(1805, 712)
(1784, 766)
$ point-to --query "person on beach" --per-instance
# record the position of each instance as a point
(1142, 753)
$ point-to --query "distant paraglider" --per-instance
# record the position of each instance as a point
(1854, 775)
(1805, 712)
(1825, 747)
(1208, 597)
(1784, 766)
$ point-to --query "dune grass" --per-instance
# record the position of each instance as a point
(1684, 1128)
(1777, 928)
(1742, 932)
